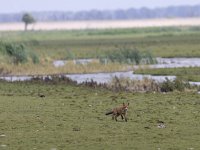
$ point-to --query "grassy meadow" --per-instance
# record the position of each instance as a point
(161, 41)
(73, 117)
(74, 44)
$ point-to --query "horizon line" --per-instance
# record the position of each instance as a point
(95, 9)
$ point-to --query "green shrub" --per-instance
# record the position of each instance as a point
(130, 56)
(149, 58)
(167, 86)
(17, 52)
(34, 58)
(179, 84)
(135, 55)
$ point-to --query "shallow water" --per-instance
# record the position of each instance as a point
(99, 77)
(106, 77)
(176, 62)
(16, 78)
(161, 62)
(60, 63)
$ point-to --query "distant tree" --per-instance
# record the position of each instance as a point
(28, 19)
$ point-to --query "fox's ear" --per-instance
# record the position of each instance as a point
(128, 104)
(123, 104)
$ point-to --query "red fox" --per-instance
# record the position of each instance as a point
(119, 111)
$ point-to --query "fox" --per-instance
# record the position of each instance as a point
(119, 111)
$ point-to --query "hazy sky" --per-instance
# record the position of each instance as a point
(76, 5)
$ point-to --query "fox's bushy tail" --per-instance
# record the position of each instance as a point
(108, 113)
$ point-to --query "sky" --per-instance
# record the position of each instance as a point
(10, 6)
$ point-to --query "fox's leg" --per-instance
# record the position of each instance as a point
(125, 118)
(116, 117)
(122, 117)
(113, 116)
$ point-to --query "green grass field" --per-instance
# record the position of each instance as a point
(160, 41)
(73, 117)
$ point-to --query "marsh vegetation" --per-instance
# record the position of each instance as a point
(47, 46)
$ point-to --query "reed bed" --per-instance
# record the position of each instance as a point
(46, 68)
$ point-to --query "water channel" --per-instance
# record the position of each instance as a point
(106, 77)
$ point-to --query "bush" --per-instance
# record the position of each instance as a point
(17, 52)
(167, 86)
(135, 56)
(130, 56)
(34, 58)
(178, 84)
(148, 58)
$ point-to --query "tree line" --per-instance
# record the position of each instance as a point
(119, 14)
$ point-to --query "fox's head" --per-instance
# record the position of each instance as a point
(125, 106)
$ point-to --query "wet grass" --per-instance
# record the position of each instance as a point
(188, 74)
(62, 116)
